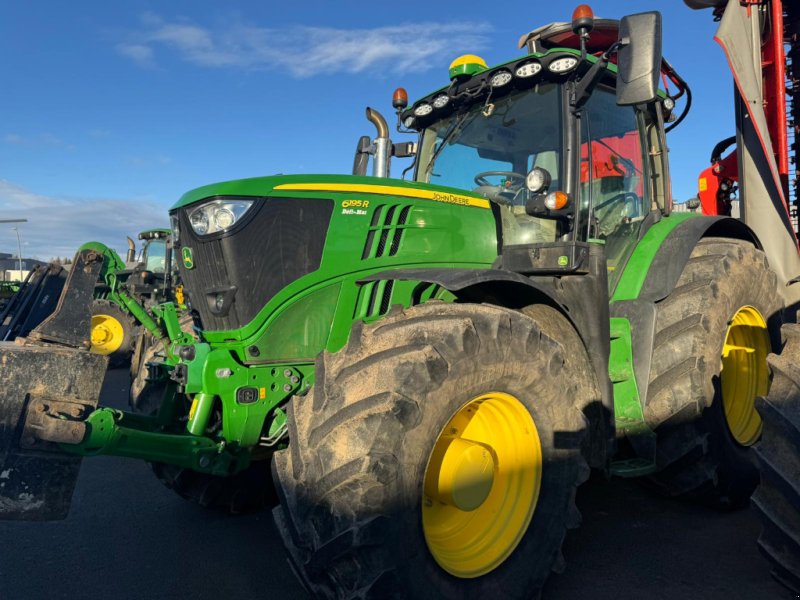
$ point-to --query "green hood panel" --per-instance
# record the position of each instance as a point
(287, 184)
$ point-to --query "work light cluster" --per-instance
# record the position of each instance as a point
(500, 78)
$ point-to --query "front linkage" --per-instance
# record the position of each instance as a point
(212, 414)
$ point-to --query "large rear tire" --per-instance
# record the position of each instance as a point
(113, 332)
(712, 338)
(777, 499)
(386, 490)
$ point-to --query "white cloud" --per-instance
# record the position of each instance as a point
(306, 51)
(57, 226)
(40, 140)
(138, 53)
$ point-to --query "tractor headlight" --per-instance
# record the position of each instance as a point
(176, 231)
(218, 215)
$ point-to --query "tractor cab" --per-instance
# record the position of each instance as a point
(155, 254)
(552, 141)
(156, 272)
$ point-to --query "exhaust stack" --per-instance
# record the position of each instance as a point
(131, 256)
(382, 145)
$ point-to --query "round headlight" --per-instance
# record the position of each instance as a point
(440, 101)
(199, 221)
(562, 65)
(423, 110)
(669, 104)
(215, 216)
(537, 180)
(500, 78)
(529, 69)
(224, 218)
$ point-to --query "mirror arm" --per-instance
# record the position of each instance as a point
(585, 87)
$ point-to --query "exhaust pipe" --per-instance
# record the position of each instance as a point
(131, 256)
(381, 161)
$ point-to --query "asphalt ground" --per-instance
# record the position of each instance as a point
(127, 537)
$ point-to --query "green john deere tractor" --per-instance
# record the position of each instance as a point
(150, 278)
(436, 364)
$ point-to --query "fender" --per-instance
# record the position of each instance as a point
(651, 274)
(657, 261)
(575, 296)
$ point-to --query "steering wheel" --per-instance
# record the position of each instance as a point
(480, 178)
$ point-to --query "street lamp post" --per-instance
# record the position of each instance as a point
(19, 243)
(19, 253)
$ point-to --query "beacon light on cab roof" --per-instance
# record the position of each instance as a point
(582, 19)
(400, 98)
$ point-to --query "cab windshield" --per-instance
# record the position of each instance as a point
(491, 146)
(154, 256)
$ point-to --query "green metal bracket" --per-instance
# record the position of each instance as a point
(628, 412)
(117, 433)
(112, 265)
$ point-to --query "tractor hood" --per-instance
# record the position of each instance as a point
(246, 246)
(279, 185)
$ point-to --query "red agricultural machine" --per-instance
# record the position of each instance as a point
(759, 173)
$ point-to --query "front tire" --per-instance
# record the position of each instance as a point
(712, 338)
(437, 456)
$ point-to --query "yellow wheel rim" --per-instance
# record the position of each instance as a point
(481, 485)
(107, 334)
(745, 374)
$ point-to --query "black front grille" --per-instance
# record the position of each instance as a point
(278, 241)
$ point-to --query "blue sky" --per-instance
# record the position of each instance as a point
(111, 110)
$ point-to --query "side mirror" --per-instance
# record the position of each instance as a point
(639, 58)
(404, 149)
(361, 159)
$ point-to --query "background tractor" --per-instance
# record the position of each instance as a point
(151, 278)
(437, 364)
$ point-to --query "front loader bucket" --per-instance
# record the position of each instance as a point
(49, 384)
(45, 393)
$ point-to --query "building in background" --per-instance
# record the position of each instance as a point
(10, 267)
